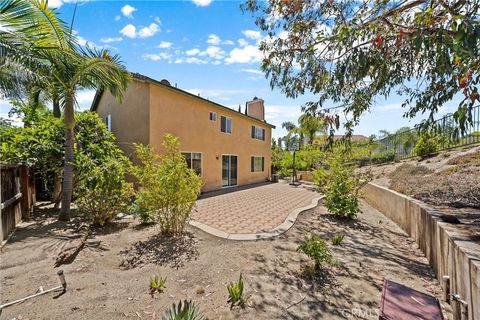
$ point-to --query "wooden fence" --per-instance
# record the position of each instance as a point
(17, 188)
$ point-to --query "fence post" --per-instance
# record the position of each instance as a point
(25, 190)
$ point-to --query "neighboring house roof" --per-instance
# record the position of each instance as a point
(354, 137)
(165, 84)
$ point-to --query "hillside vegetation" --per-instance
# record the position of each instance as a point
(451, 178)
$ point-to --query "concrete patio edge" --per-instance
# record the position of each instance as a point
(280, 229)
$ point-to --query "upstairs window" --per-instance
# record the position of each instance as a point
(194, 161)
(108, 122)
(226, 124)
(213, 116)
(258, 133)
(257, 164)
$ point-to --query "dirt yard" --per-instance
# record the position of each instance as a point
(109, 278)
(449, 179)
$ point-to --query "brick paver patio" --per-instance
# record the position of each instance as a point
(254, 210)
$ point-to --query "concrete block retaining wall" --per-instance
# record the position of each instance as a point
(451, 249)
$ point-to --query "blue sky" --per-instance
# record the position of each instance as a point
(204, 46)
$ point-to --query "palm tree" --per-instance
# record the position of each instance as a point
(292, 131)
(289, 126)
(34, 41)
(74, 70)
(311, 125)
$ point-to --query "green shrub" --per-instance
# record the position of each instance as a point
(235, 292)
(141, 213)
(376, 158)
(101, 189)
(337, 239)
(168, 187)
(186, 310)
(157, 284)
(426, 145)
(308, 271)
(340, 186)
(316, 249)
(383, 157)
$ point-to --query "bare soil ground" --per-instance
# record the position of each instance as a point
(109, 277)
(449, 179)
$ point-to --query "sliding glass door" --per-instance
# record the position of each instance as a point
(229, 170)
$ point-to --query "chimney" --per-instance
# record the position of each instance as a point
(256, 109)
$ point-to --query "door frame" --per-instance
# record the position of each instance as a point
(221, 171)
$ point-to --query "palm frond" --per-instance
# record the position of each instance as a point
(100, 70)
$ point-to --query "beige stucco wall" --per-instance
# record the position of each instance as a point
(188, 118)
(129, 119)
(256, 109)
(451, 249)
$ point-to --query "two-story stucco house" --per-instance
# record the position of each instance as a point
(226, 147)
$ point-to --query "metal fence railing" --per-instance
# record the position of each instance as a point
(445, 130)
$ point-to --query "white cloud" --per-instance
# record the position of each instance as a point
(157, 57)
(254, 71)
(388, 107)
(165, 45)
(111, 39)
(127, 11)
(149, 31)
(84, 99)
(214, 39)
(157, 20)
(192, 52)
(214, 52)
(82, 41)
(277, 114)
(55, 3)
(202, 3)
(247, 54)
(117, 18)
(242, 42)
(129, 31)
(252, 34)
(59, 3)
(195, 60)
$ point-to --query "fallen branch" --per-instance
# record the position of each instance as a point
(68, 255)
(294, 304)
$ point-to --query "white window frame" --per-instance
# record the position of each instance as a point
(213, 116)
(255, 168)
(259, 133)
(108, 122)
(227, 119)
(191, 164)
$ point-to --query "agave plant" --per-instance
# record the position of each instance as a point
(337, 239)
(235, 292)
(157, 284)
(186, 310)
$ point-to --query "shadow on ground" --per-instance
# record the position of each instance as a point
(170, 251)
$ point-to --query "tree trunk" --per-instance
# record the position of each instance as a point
(56, 107)
(69, 159)
(57, 189)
